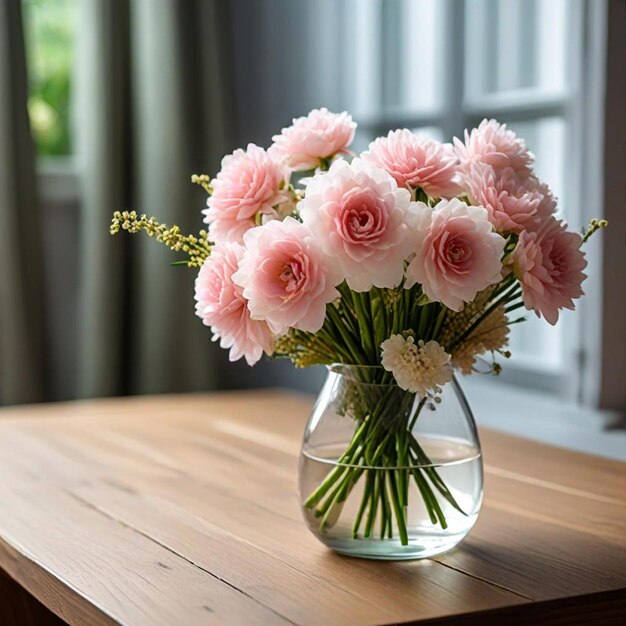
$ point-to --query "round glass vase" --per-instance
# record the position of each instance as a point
(385, 474)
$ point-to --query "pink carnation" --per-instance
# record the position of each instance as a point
(359, 215)
(416, 161)
(494, 144)
(549, 264)
(513, 205)
(221, 305)
(285, 277)
(250, 183)
(319, 135)
(457, 252)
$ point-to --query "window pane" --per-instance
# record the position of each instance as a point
(420, 65)
(546, 137)
(361, 52)
(434, 132)
(534, 343)
(49, 27)
(517, 44)
(364, 136)
(394, 56)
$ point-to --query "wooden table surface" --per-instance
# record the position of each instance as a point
(183, 510)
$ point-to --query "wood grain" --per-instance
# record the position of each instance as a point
(169, 510)
(17, 606)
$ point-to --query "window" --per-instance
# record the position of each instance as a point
(49, 27)
(441, 66)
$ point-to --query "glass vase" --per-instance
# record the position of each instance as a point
(385, 474)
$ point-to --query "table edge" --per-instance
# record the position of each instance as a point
(610, 606)
(51, 590)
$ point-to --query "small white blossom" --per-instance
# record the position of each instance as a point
(417, 368)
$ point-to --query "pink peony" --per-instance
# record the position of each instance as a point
(285, 277)
(359, 215)
(513, 205)
(221, 305)
(549, 264)
(457, 252)
(494, 144)
(416, 161)
(319, 135)
(250, 183)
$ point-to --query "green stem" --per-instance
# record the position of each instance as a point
(365, 326)
(334, 497)
(385, 518)
(339, 495)
(424, 320)
(431, 472)
(439, 322)
(371, 480)
(426, 492)
(375, 497)
(335, 317)
(338, 470)
(395, 501)
(430, 500)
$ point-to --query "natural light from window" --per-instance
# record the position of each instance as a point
(50, 27)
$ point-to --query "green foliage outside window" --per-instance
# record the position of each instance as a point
(49, 27)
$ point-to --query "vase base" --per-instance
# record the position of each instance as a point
(393, 550)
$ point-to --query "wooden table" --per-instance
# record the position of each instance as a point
(183, 510)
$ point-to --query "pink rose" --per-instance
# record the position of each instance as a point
(250, 183)
(416, 161)
(221, 305)
(359, 215)
(319, 135)
(494, 144)
(513, 205)
(549, 264)
(457, 252)
(285, 277)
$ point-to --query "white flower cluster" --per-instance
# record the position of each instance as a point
(417, 367)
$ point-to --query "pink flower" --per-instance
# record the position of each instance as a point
(221, 305)
(548, 204)
(359, 216)
(494, 144)
(416, 161)
(285, 277)
(250, 183)
(549, 264)
(513, 205)
(458, 254)
(319, 135)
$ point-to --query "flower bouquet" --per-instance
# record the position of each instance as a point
(394, 268)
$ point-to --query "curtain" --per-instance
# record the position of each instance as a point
(22, 351)
(155, 104)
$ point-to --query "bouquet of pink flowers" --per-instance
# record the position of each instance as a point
(411, 257)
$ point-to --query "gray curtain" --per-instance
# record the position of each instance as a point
(155, 104)
(21, 279)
